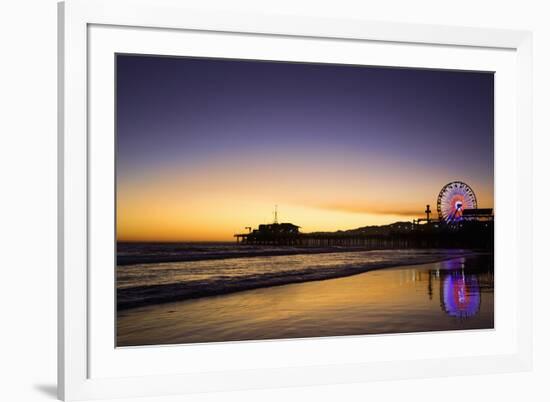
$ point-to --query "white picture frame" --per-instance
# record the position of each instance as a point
(88, 367)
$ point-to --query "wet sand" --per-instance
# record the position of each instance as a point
(449, 295)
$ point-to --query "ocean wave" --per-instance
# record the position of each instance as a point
(132, 254)
(146, 284)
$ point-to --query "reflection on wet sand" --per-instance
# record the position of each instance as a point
(460, 292)
(450, 295)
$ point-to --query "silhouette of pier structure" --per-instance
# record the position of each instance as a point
(460, 224)
(400, 235)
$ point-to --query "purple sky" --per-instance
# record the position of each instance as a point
(174, 114)
(167, 107)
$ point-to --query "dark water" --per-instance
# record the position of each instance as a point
(142, 253)
(454, 294)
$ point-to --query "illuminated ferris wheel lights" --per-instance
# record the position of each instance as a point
(453, 199)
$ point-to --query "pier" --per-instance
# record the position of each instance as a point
(459, 224)
(469, 234)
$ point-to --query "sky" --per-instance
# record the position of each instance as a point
(207, 147)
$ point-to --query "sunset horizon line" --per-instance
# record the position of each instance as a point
(226, 240)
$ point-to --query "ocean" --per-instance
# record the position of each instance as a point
(152, 273)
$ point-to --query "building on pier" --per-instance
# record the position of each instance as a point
(478, 214)
(272, 233)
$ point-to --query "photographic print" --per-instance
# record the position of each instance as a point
(264, 200)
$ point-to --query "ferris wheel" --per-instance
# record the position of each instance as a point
(453, 199)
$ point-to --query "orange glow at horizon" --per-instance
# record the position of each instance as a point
(212, 203)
